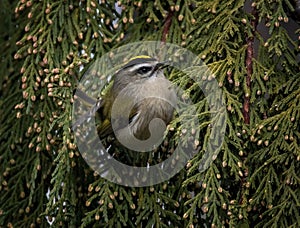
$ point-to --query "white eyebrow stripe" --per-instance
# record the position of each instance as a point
(134, 68)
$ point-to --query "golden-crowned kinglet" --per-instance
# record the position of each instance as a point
(139, 94)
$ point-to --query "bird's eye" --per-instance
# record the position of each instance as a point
(144, 70)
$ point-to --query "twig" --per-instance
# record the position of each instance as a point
(167, 27)
(249, 67)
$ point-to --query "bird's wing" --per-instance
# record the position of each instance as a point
(120, 121)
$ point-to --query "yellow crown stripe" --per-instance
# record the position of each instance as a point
(140, 57)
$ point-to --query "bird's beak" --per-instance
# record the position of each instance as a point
(161, 65)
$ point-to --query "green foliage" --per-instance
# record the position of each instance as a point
(252, 51)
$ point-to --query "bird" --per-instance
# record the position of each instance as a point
(140, 93)
(134, 108)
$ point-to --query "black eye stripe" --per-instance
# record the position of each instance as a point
(144, 69)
